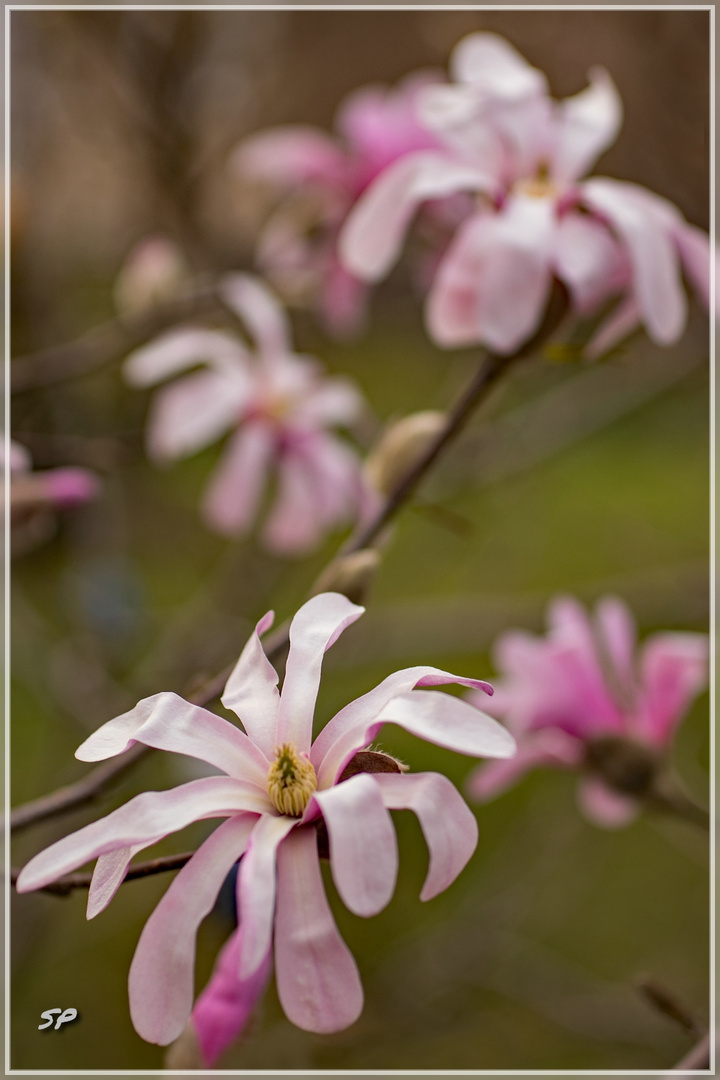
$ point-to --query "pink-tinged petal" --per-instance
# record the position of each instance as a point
(17, 456)
(695, 254)
(314, 629)
(256, 890)
(622, 322)
(347, 732)
(589, 260)
(334, 401)
(494, 281)
(450, 722)
(294, 526)
(674, 670)
(233, 496)
(70, 487)
(547, 748)
(449, 827)
(180, 349)
(342, 301)
(168, 722)
(161, 973)
(605, 807)
(145, 819)
(490, 64)
(287, 156)
(373, 233)
(336, 470)
(618, 635)
(225, 1006)
(194, 412)
(263, 315)
(363, 846)
(252, 692)
(642, 224)
(108, 876)
(585, 125)
(317, 979)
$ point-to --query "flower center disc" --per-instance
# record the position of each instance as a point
(291, 781)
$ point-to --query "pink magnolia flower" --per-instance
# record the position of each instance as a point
(61, 488)
(277, 784)
(279, 407)
(579, 698)
(524, 154)
(321, 177)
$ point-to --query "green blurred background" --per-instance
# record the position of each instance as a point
(571, 479)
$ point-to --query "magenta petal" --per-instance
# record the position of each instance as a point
(256, 890)
(168, 722)
(223, 1009)
(161, 973)
(605, 807)
(448, 825)
(233, 496)
(618, 636)
(546, 748)
(316, 626)
(674, 670)
(348, 730)
(144, 820)
(252, 692)
(317, 979)
(363, 847)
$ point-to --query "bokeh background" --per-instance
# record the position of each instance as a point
(572, 479)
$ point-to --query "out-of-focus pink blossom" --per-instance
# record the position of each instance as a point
(523, 155)
(154, 272)
(61, 488)
(320, 178)
(276, 786)
(584, 689)
(280, 408)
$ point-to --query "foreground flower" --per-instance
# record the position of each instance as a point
(320, 178)
(524, 154)
(579, 699)
(279, 785)
(279, 407)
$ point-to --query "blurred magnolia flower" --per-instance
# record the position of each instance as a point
(282, 794)
(154, 272)
(580, 698)
(320, 178)
(279, 407)
(524, 154)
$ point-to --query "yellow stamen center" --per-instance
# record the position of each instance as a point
(291, 781)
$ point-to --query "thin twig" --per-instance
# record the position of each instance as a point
(67, 884)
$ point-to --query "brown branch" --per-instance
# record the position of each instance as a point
(67, 884)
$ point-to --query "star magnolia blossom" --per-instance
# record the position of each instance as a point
(524, 154)
(565, 694)
(278, 785)
(322, 177)
(279, 408)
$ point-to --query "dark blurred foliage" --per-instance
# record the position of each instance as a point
(572, 479)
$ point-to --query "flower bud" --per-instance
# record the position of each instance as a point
(400, 447)
(350, 575)
(153, 273)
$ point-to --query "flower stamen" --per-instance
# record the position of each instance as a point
(291, 781)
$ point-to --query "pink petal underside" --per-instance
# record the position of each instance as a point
(233, 495)
(374, 231)
(605, 807)
(252, 692)
(674, 670)
(287, 156)
(108, 876)
(180, 349)
(585, 126)
(294, 527)
(145, 819)
(546, 748)
(642, 224)
(194, 412)
(167, 722)
(695, 254)
(264, 316)
(589, 260)
(225, 1006)
(316, 626)
(490, 63)
(317, 979)
(345, 734)
(622, 321)
(493, 283)
(449, 827)
(618, 635)
(256, 890)
(161, 974)
(363, 847)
